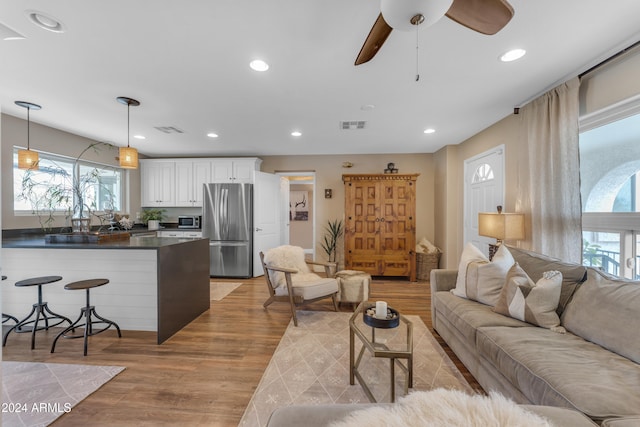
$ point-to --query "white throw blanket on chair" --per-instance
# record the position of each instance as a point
(288, 256)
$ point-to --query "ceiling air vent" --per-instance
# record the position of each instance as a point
(169, 129)
(353, 124)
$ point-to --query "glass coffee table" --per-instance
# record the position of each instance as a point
(395, 344)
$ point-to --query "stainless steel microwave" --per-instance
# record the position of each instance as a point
(189, 221)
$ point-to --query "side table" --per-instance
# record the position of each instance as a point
(394, 344)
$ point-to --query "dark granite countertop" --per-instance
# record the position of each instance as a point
(132, 243)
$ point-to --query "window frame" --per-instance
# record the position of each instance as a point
(80, 163)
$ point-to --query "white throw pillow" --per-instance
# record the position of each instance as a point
(480, 279)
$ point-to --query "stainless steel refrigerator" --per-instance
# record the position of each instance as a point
(227, 221)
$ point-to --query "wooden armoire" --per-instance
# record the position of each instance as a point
(380, 224)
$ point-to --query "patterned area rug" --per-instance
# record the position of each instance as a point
(311, 367)
(35, 394)
(220, 290)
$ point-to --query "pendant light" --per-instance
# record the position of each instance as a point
(128, 155)
(28, 159)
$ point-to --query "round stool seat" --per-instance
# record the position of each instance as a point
(86, 284)
(34, 281)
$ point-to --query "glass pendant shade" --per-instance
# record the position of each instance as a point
(128, 158)
(27, 159)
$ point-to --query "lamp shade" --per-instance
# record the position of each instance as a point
(128, 158)
(27, 159)
(398, 13)
(501, 226)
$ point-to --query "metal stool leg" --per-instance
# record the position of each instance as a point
(86, 312)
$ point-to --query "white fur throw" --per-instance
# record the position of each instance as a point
(288, 256)
(445, 408)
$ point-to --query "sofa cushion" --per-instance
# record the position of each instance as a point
(536, 264)
(606, 310)
(466, 316)
(563, 370)
(480, 279)
(535, 303)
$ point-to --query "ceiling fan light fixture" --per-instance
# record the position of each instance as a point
(512, 55)
(401, 14)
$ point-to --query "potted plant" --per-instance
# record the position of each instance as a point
(333, 232)
(152, 218)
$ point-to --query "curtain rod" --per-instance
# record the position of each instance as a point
(610, 59)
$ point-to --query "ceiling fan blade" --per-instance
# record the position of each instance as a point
(378, 34)
(483, 16)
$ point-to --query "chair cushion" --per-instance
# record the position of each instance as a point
(312, 289)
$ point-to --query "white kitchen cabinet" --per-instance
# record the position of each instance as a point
(234, 170)
(158, 183)
(190, 176)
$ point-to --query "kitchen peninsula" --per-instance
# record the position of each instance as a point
(156, 284)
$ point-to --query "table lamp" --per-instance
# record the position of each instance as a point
(501, 226)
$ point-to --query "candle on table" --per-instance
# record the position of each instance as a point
(381, 309)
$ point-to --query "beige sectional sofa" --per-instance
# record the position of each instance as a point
(594, 367)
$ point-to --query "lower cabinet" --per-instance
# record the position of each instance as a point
(181, 234)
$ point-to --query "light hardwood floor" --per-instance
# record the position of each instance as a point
(204, 375)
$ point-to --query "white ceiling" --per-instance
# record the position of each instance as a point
(187, 63)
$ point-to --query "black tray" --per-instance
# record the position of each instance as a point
(374, 322)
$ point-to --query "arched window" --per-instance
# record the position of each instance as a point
(483, 173)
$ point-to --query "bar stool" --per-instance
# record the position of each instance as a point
(86, 312)
(7, 317)
(40, 310)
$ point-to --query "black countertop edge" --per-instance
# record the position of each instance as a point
(39, 232)
(132, 243)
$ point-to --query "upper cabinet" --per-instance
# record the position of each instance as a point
(158, 182)
(190, 176)
(178, 182)
(239, 171)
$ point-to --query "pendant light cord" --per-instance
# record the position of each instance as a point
(28, 127)
(128, 131)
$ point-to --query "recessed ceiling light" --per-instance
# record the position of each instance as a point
(512, 55)
(429, 130)
(258, 65)
(212, 135)
(139, 137)
(296, 133)
(45, 21)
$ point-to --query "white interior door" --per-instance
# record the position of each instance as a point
(483, 192)
(267, 215)
(284, 211)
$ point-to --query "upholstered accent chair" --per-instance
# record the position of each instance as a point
(290, 279)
